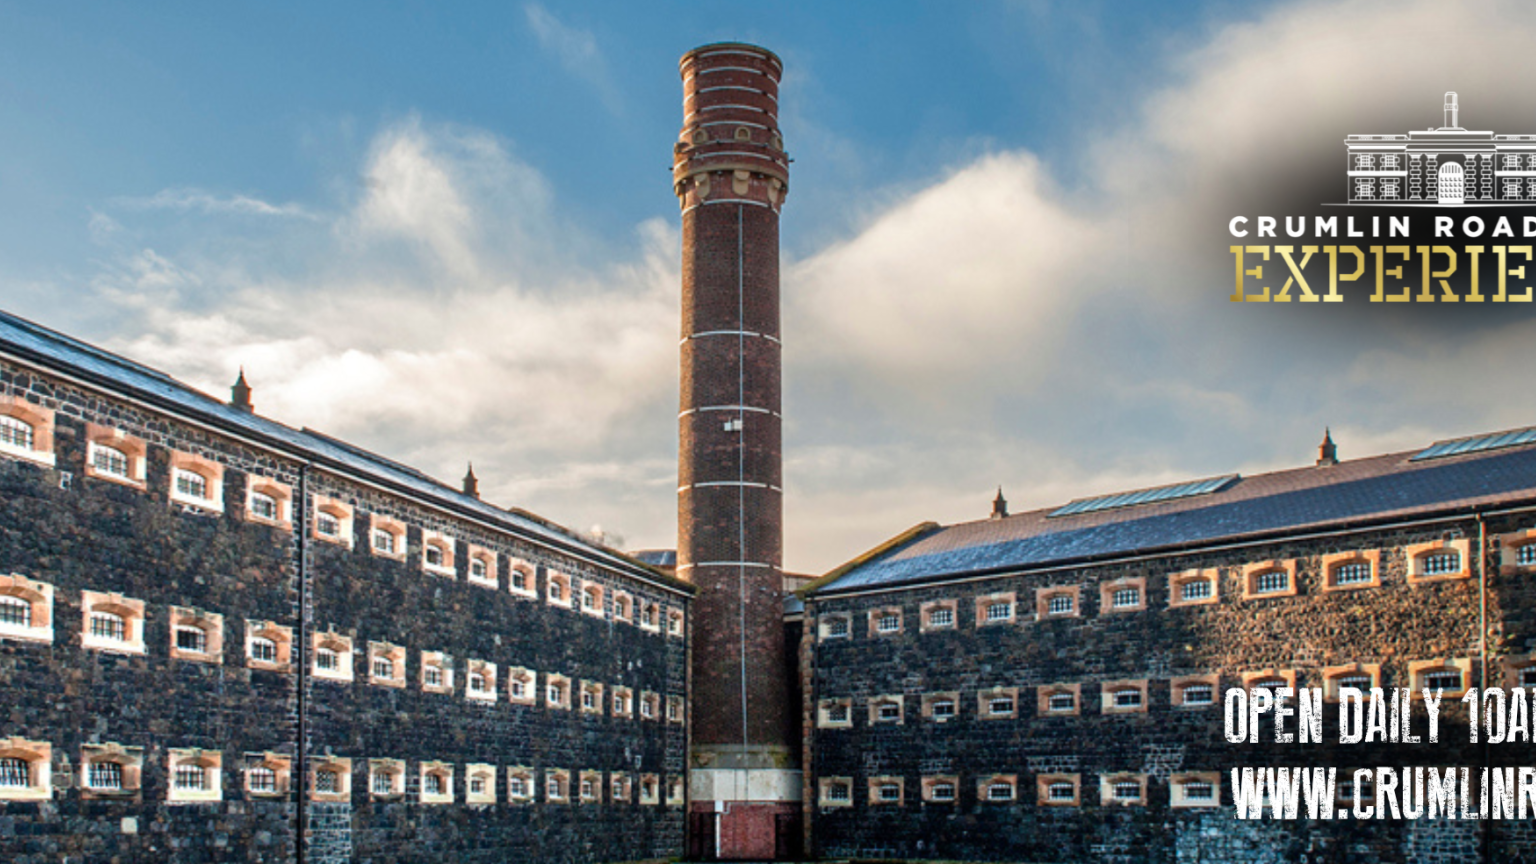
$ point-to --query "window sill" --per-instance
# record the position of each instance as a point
(111, 647)
(206, 504)
(38, 457)
(116, 478)
(26, 634)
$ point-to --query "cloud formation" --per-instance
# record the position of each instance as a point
(998, 324)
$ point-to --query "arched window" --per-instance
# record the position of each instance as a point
(16, 433)
(14, 610)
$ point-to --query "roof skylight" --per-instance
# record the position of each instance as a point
(1146, 496)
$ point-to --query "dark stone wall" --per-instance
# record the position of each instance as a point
(80, 533)
(1392, 625)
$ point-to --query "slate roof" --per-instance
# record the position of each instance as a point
(1355, 493)
(48, 349)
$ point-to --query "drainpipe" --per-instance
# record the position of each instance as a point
(299, 654)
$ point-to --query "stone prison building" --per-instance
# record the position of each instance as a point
(223, 639)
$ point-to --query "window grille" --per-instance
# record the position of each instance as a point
(327, 659)
(434, 556)
(1512, 163)
(263, 506)
(1525, 556)
(553, 788)
(1061, 792)
(1000, 792)
(942, 792)
(890, 792)
(15, 611)
(432, 784)
(477, 785)
(675, 624)
(15, 773)
(837, 627)
(517, 787)
(15, 433)
(1362, 683)
(1126, 791)
(519, 580)
(106, 625)
(478, 569)
(943, 708)
(107, 776)
(192, 485)
(190, 777)
(109, 460)
(590, 598)
(432, 675)
(1000, 706)
(588, 699)
(1271, 581)
(999, 611)
(193, 639)
(1126, 597)
(1128, 698)
(1061, 604)
(1440, 563)
(383, 541)
(327, 524)
(1365, 162)
(1352, 573)
(1199, 790)
(517, 688)
(263, 650)
(1365, 189)
(838, 713)
(839, 792)
(1061, 702)
(257, 779)
(1196, 589)
(945, 617)
(1269, 684)
(383, 667)
(1449, 679)
(1198, 694)
(889, 623)
(647, 709)
(888, 711)
(383, 783)
(586, 789)
(477, 682)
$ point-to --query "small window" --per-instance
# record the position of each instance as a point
(195, 775)
(480, 681)
(432, 675)
(327, 524)
(1525, 556)
(436, 553)
(478, 568)
(267, 645)
(999, 611)
(1440, 563)
(191, 777)
(1445, 679)
(26, 430)
(1126, 597)
(999, 791)
(109, 626)
(1127, 698)
(1198, 790)
(942, 792)
(263, 506)
(261, 781)
(192, 639)
(327, 781)
(889, 622)
(888, 712)
(433, 556)
(15, 433)
(482, 566)
(1061, 702)
(110, 461)
(1197, 694)
(263, 650)
(1528, 676)
(333, 656)
(1002, 705)
(889, 792)
(107, 776)
(942, 709)
(1271, 582)
(1199, 589)
(839, 713)
(15, 773)
(1127, 791)
(835, 628)
(1353, 573)
(1061, 792)
(674, 622)
(383, 667)
(327, 659)
(941, 617)
(110, 771)
(333, 522)
(1060, 604)
(26, 609)
(15, 611)
(433, 784)
(191, 485)
(436, 783)
(383, 542)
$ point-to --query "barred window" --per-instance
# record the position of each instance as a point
(1061, 604)
(517, 787)
(888, 711)
(477, 683)
(325, 658)
(1359, 682)
(1525, 556)
(477, 568)
(838, 713)
(586, 789)
(432, 675)
(15, 433)
(263, 506)
(553, 789)
(839, 792)
(383, 541)
(1127, 791)
(945, 617)
(588, 699)
(519, 580)
(1000, 792)
(327, 524)
(1440, 563)
(1199, 790)
(109, 460)
(1196, 589)
(889, 792)
(193, 777)
(999, 611)
(1269, 684)
(263, 650)
(383, 783)
(1061, 702)
(943, 708)
(1000, 706)
(1352, 573)
(108, 625)
(15, 773)
(1271, 581)
(433, 556)
(517, 688)
(1128, 698)
(106, 776)
(477, 785)
(259, 779)
(193, 639)
(1126, 597)
(14, 610)
(942, 792)
(889, 623)
(327, 781)
(837, 627)
(383, 667)
(1198, 694)
(191, 484)
(1060, 792)
(1444, 679)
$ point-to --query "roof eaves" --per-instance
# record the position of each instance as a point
(916, 532)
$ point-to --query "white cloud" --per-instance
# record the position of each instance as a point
(186, 200)
(576, 50)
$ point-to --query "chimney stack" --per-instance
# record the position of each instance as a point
(471, 482)
(240, 394)
(999, 505)
(730, 173)
(1327, 452)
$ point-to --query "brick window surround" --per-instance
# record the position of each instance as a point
(34, 442)
(1109, 592)
(1273, 578)
(1183, 588)
(29, 609)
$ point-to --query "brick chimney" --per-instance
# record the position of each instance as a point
(730, 173)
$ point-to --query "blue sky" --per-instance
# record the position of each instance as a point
(445, 231)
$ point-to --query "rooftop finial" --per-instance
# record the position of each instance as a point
(471, 482)
(240, 394)
(1327, 452)
(999, 505)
